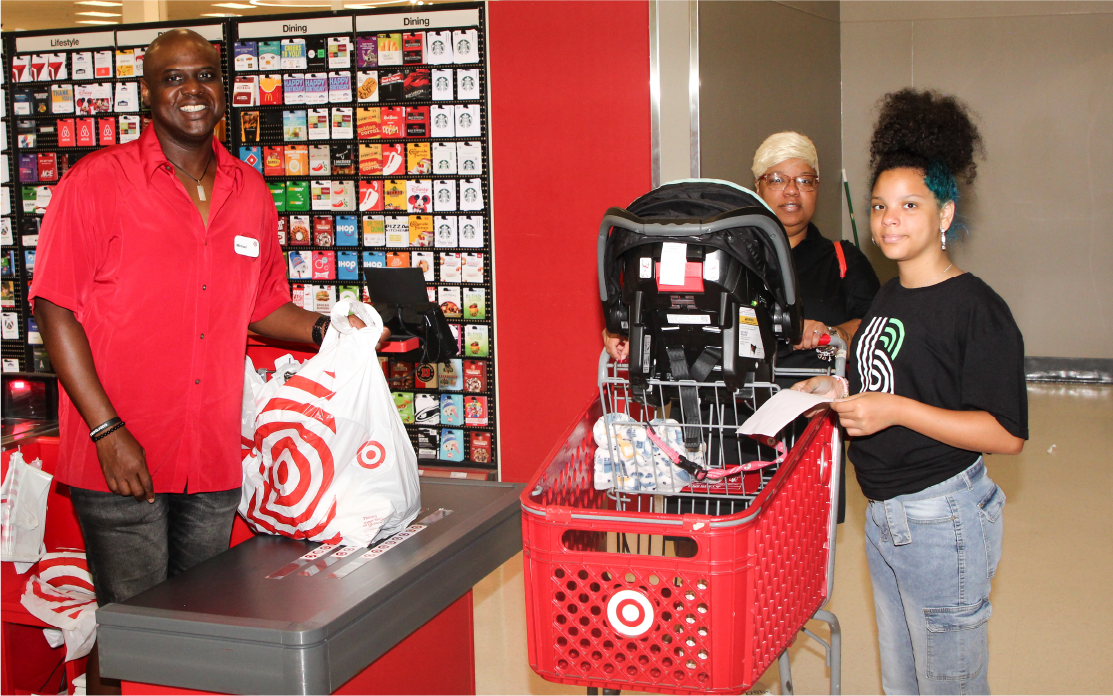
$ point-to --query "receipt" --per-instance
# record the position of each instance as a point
(779, 411)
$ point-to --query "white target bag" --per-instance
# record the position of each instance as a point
(331, 460)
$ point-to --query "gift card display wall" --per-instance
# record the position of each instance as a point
(13, 351)
(68, 95)
(371, 131)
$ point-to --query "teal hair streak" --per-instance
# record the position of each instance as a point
(942, 184)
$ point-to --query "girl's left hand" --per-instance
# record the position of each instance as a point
(867, 413)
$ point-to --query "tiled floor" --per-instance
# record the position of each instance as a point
(1052, 596)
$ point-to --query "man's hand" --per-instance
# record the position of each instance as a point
(617, 345)
(125, 466)
(813, 331)
(867, 413)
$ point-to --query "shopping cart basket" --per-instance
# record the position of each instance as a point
(696, 591)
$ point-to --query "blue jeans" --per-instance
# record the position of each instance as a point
(132, 545)
(932, 556)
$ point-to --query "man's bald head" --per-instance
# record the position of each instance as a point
(182, 84)
(171, 44)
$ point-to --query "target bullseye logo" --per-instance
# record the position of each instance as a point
(630, 612)
(371, 455)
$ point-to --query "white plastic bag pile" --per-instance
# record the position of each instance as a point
(330, 459)
(641, 465)
(23, 511)
(60, 594)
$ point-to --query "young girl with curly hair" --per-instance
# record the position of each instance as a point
(936, 380)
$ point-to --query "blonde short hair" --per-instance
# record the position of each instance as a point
(782, 146)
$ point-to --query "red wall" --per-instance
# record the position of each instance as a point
(569, 138)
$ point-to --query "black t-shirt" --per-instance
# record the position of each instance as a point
(953, 345)
(827, 296)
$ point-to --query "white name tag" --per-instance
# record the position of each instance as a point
(246, 246)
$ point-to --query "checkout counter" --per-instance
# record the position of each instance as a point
(277, 615)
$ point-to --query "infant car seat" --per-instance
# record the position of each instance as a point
(731, 295)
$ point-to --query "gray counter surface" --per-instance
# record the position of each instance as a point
(225, 626)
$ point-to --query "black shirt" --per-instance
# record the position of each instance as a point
(828, 297)
(953, 345)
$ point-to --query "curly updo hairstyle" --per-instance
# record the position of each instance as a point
(928, 131)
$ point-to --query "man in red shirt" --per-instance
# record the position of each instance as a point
(156, 257)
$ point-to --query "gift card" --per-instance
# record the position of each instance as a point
(394, 161)
(347, 267)
(102, 64)
(299, 262)
(48, 166)
(480, 447)
(320, 192)
(444, 231)
(467, 84)
(394, 194)
(316, 88)
(294, 126)
(324, 265)
(340, 87)
(61, 99)
(339, 50)
(475, 375)
(427, 409)
(322, 230)
(343, 155)
(278, 192)
(400, 375)
(318, 122)
(392, 85)
(413, 48)
(448, 297)
(293, 54)
(249, 126)
(370, 196)
(441, 84)
(419, 159)
(343, 196)
(476, 341)
(367, 51)
(320, 160)
(252, 156)
(470, 158)
(444, 196)
(450, 268)
(428, 443)
(444, 158)
(397, 259)
(390, 49)
(417, 84)
(397, 231)
(471, 194)
(283, 230)
(449, 376)
(425, 377)
(368, 123)
(125, 63)
(107, 129)
(419, 196)
(324, 298)
(374, 235)
(367, 86)
(452, 409)
(342, 127)
(293, 88)
(472, 268)
(246, 55)
(424, 261)
(297, 160)
(300, 231)
(270, 89)
(475, 410)
(316, 53)
(465, 46)
(393, 119)
(417, 122)
(438, 47)
(374, 259)
(297, 196)
(82, 64)
(348, 292)
(467, 121)
(442, 121)
(270, 55)
(347, 230)
(244, 90)
(421, 234)
(471, 231)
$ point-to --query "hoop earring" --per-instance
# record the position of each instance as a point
(943, 238)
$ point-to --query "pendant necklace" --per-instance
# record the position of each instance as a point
(200, 186)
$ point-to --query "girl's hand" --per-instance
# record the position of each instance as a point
(617, 345)
(867, 413)
(813, 331)
(822, 386)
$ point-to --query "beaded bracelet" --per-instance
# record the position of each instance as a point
(320, 328)
(105, 429)
(844, 384)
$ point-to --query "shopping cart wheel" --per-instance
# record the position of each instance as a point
(594, 691)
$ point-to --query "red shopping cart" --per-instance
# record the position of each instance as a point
(680, 586)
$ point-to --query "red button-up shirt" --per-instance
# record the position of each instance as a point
(165, 303)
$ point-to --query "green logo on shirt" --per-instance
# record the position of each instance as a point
(881, 343)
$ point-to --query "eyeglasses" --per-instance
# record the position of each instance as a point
(778, 181)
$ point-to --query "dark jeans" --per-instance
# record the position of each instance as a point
(131, 545)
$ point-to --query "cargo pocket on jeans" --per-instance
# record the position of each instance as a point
(992, 527)
(957, 645)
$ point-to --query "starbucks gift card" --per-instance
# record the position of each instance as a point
(470, 158)
(444, 196)
(475, 303)
(441, 84)
(442, 121)
(476, 344)
(452, 409)
(438, 47)
(471, 194)
(374, 234)
(471, 231)
(467, 84)
(465, 46)
(468, 121)
(444, 231)
(444, 157)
